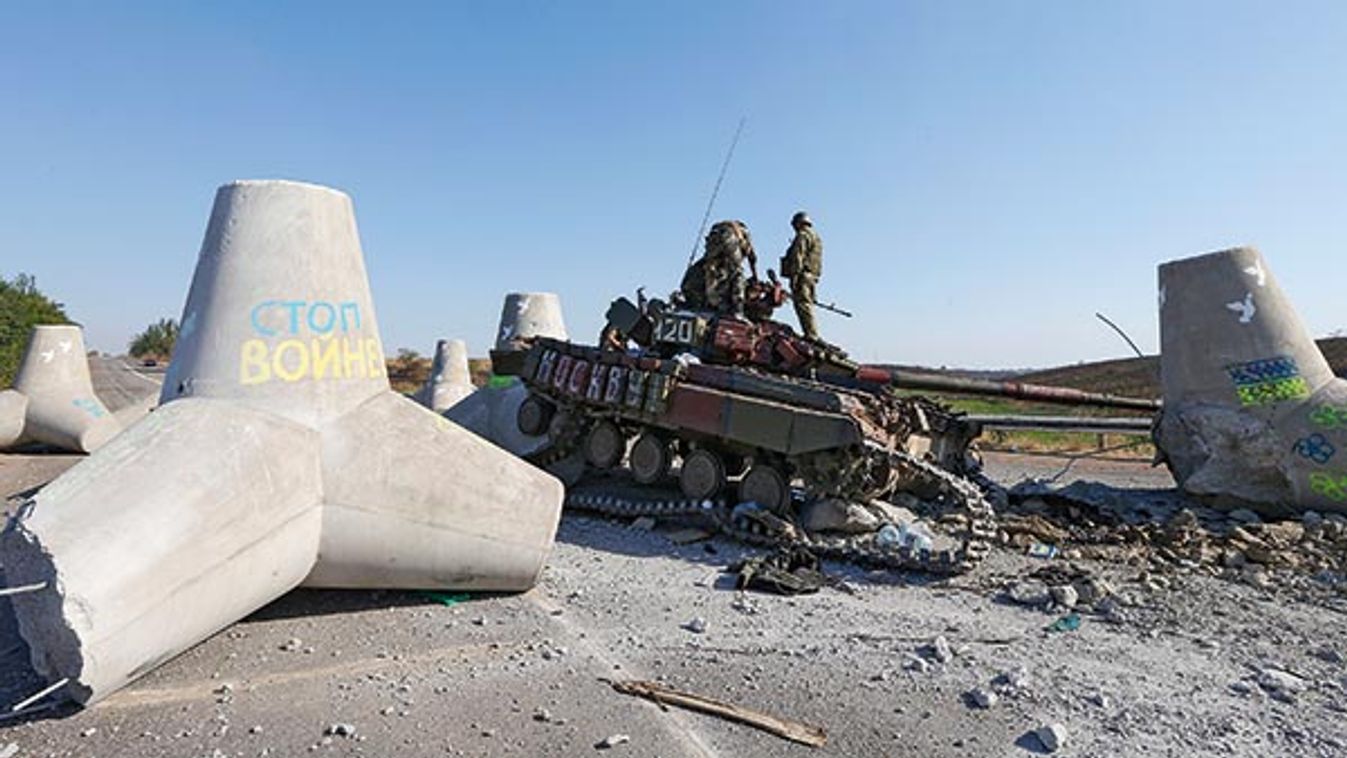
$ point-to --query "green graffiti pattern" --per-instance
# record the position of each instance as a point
(1331, 486)
(1329, 417)
(1274, 391)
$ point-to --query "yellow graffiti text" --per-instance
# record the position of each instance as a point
(296, 360)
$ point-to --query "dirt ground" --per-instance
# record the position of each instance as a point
(1202, 666)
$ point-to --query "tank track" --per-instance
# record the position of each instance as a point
(964, 505)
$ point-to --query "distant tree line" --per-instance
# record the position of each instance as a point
(22, 306)
(156, 341)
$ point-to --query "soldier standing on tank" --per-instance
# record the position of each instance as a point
(803, 265)
(727, 246)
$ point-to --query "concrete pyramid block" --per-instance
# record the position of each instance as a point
(450, 379)
(280, 457)
(58, 406)
(1253, 414)
(491, 411)
(529, 314)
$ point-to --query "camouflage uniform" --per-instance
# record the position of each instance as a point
(693, 286)
(803, 265)
(727, 245)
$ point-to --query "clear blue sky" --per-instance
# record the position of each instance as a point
(985, 175)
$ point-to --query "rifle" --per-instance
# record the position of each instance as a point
(831, 307)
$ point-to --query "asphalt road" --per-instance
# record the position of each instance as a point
(120, 385)
(126, 391)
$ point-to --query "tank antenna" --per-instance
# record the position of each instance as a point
(716, 191)
(1121, 333)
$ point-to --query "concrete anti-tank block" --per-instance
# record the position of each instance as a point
(529, 314)
(280, 456)
(1253, 415)
(13, 409)
(450, 379)
(410, 520)
(60, 407)
(491, 411)
(195, 517)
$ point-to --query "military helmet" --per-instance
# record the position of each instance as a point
(800, 219)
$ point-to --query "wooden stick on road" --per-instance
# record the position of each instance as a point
(794, 731)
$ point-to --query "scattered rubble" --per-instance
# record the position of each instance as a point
(917, 664)
(1282, 685)
(1064, 596)
(1051, 736)
(697, 625)
(939, 650)
(339, 730)
(981, 697)
(1099, 699)
(1163, 532)
(1013, 682)
(1029, 592)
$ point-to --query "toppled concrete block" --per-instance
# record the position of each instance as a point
(1253, 415)
(280, 457)
(53, 400)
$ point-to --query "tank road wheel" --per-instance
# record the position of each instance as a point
(703, 475)
(650, 459)
(534, 415)
(766, 486)
(605, 445)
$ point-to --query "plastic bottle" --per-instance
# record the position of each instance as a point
(917, 536)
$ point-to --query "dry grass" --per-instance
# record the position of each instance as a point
(1140, 377)
(408, 373)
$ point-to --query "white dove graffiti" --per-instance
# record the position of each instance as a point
(1256, 270)
(47, 355)
(1245, 309)
(66, 345)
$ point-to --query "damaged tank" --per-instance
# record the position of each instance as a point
(741, 409)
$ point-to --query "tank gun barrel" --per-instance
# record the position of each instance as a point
(916, 380)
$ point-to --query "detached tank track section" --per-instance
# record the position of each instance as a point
(633, 507)
(964, 504)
